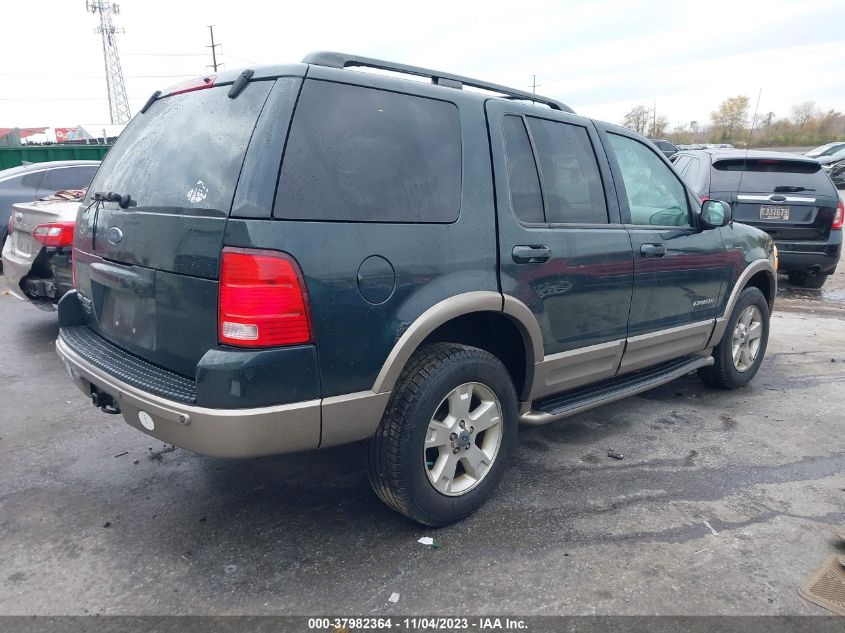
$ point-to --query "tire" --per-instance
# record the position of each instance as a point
(725, 372)
(403, 472)
(806, 280)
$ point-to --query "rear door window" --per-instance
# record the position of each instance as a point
(69, 178)
(358, 154)
(764, 175)
(571, 179)
(186, 151)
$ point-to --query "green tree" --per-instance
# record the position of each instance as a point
(730, 119)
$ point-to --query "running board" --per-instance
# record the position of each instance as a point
(563, 405)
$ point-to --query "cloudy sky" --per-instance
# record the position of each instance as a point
(600, 57)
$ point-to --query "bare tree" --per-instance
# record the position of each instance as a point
(802, 113)
(657, 127)
(638, 119)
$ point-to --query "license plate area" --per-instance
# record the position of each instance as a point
(22, 243)
(771, 212)
(129, 318)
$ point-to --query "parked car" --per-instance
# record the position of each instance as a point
(37, 253)
(825, 150)
(302, 256)
(836, 171)
(668, 148)
(833, 157)
(37, 180)
(788, 196)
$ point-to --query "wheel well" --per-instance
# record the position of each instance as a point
(764, 282)
(496, 333)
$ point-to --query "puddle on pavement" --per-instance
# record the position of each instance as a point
(826, 296)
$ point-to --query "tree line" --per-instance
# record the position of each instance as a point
(731, 123)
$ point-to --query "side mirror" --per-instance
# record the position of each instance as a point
(715, 213)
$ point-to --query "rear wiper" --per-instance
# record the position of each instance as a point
(791, 189)
(110, 196)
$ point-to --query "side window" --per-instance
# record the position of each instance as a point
(655, 195)
(681, 164)
(359, 154)
(523, 181)
(68, 178)
(571, 180)
(33, 180)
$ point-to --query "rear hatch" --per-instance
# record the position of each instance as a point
(148, 273)
(792, 199)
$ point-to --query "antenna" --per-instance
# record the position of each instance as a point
(748, 142)
(118, 103)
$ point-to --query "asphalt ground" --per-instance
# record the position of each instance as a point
(724, 503)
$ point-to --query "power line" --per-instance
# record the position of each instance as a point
(213, 48)
(166, 54)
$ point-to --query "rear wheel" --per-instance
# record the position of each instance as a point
(806, 279)
(446, 436)
(740, 353)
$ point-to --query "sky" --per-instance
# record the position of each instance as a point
(601, 58)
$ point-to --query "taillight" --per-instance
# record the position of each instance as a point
(704, 199)
(54, 234)
(839, 216)
(262, 300)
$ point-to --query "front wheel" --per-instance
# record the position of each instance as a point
(740, 353)
(446, 436)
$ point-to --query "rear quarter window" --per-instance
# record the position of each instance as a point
(358, 154)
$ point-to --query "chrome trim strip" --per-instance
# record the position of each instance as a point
(351, 417)
(652, 348)
(536, 418)
(744, 197)
(272, 430)
(566, 370)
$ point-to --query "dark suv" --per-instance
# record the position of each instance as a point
(303, 256)
(789, 196)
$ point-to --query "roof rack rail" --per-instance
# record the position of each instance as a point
(342, 60)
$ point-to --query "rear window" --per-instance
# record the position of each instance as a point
(186, 151)
(69, 178)
(763, 175)
(359, 154)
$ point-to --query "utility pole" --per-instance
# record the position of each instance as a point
(653, 119)
(118, 103)
(534, 84)
(213, 48)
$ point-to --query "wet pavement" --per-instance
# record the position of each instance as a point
(724, 503)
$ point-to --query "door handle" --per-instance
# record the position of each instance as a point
(531, 254)
(652, 250)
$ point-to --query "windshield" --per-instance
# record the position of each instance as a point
(186, 151)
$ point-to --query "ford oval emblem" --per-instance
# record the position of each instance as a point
(114, 235)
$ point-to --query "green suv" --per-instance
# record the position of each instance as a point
(302, 256)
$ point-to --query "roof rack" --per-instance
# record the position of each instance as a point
(342, 60)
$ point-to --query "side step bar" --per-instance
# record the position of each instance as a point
(567, 404)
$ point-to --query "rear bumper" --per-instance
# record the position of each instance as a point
(802, 256)
(218, 432)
